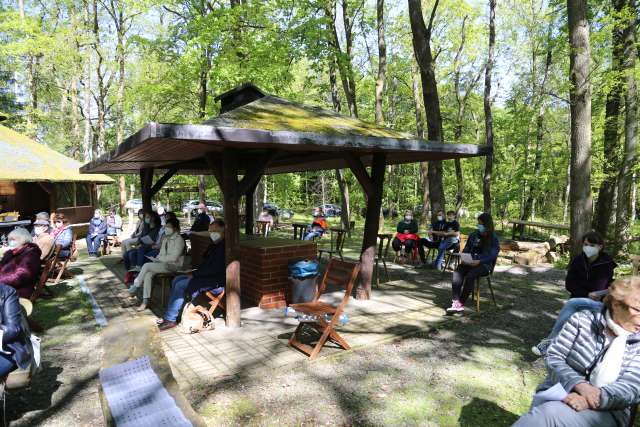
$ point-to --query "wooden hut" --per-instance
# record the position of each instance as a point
(35, 178)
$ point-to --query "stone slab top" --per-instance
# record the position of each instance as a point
(274, 242)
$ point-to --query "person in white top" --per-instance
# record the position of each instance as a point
(170, 258)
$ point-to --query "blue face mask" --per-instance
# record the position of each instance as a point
(481, 228)
(147, 220)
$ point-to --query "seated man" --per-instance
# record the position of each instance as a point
(43, 239)
(211, 275)
(202, 220)
(16, 352)
(96, 233)
(406, 236)
(434, 236)
(318, 226)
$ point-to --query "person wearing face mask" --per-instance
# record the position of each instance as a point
(20, 265)
(202, 220)
(209, 276)
(141, 228)
(42, 216)
(483, 246)
(170, 258)
(406, 236)
(318, 226)
(43, 239)
(96, 234)
(596, 360)
(62, 235)
(148, 245)
(16, 353)
(434, 237)
(588, 278)
(114, 223)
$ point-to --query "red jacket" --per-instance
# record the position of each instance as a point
(19, 269)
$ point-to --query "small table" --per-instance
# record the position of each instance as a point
(298, 230)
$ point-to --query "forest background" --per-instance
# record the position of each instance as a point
(82, 75)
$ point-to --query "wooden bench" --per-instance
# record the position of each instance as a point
(519, 227)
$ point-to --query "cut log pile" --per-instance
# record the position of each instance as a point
(532, 253)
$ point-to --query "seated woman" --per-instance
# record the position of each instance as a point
(591, 270)
(483, 245)
(588, 279)
(20, 265)
(406, 236)
(170, 258)
(596, 359)
(210, 275)
(141, 227)
(43, 239)
(149, 243)
(318, 226)
(15, 351)
(96, 233)
(62, 235)
(114, 223)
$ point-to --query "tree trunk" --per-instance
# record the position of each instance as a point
(122, 187)
(33, 94)
(333, 82)
(382, 61)
(343, 59)
(581, 204)
(421, 38)
(625, 179)
(345, 216)
(634, 196)
(488, 116)
(424, 166)
(604, 216)
(348, 36)
(87, 140)
(120, 52)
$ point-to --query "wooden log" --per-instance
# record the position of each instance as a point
(554, 241)
(529, 258)
(542, 247)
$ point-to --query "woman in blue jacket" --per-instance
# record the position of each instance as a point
(483, 245)
(15, 352)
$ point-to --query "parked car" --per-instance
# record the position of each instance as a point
(331, 210)
(136, 205)
(274, 210)
(192, 206)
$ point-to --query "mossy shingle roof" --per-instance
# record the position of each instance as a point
(22, 159)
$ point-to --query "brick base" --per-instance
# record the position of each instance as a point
(264, 269)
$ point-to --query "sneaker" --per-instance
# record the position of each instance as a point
(167, 324)
(456, 307)
(134, 289)
(540, 349)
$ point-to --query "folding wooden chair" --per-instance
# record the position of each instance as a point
(44, 276)
(339, 274)
(61, 265)
(216, 301)
(383, 252)
(262, 228)
(475, 295)
(338, 236)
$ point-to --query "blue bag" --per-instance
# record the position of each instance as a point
(301, 269)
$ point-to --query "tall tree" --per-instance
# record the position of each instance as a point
(424, 166)
(488, 116)
(421, 38)
(581, 204)
(605, 215)
(625, 178)
(382, 61)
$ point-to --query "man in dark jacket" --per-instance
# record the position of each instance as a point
(202, 220)
(96, 233)
(591, 270)
(210, 275)
(15, 352)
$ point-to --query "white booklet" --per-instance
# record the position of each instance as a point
(555, 393)
(465, 258)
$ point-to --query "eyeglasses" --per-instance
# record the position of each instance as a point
(631, 309)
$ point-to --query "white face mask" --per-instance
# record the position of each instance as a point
(408, 218)
(96, 215)
(590, 251)
(440, 217)
(215, 236)
(13, 244)
(168, 231)
(38, 230)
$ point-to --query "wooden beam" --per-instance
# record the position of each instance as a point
(162, 181)
(360, 172)
(146, 175)
(248, 209)
(252, 176)
(232, 235)
(371, 226)
(215, 165)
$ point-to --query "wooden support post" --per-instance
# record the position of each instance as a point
(162, 181)
(232, 235)
(146, 176)
(371, 225)
(248, 209)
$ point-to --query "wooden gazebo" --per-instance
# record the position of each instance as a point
(257, 134)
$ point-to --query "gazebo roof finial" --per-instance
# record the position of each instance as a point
(239, 96)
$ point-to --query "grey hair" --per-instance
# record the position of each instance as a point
(21, 235)
(43, 215)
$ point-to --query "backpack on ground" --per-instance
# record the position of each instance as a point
(195, 319)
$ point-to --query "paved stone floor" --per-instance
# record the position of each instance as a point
(400, 307)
